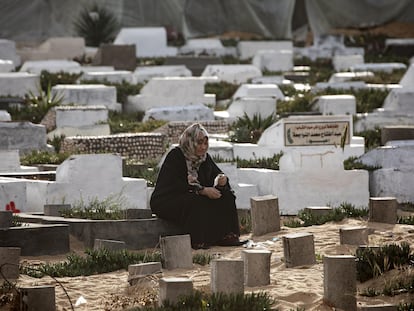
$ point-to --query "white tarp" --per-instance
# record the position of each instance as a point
(37, 20)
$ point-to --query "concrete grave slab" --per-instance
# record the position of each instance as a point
(19, 84)
(273, 61)
(197, 112)
(236, 74)
(8, 52)
(113, 76)
(6, 65)
(149, 41)
(345, 62)
(205, 46)
(247, 49)
(52, 66)
(170, 92)
(335, 104)
(145, 73)
(121, 57)
(196, 64)
(377, 67)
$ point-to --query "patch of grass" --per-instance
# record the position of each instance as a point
(345, 210)
(131, 123)
(222, 90)
(43, 157)
(95, 262)
(407, 220)
(245, 223)
(50, 78)
(202, 258)
(269, 163)
(199, 301)
(148, 171)
(111, 208)
(372, 138)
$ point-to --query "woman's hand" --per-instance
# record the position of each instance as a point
(220, 180)
(210, 192)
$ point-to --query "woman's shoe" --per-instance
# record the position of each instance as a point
(199, 246)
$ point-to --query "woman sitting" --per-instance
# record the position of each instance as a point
(195, 194)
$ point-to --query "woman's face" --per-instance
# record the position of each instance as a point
(201, 145)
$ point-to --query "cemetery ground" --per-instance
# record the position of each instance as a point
(297, 288)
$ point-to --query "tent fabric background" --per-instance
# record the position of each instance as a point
(37, 20)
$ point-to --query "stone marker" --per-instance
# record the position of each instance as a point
(397, 132)
(227, 276)
(120, 56)
(35, 298)
(381, 307)
(299, 249)
(141, 270)
(6, 219)
(265, 214)
(9, 262)
(353, 235)
(55, 209)
(176, 251)
(339, 282)
(383, 209)
(256, 267)
(318, 211)
(110, 245)
(172, 288)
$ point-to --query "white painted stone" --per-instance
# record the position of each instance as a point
(243, 191)
(251, 106)
(23, 136)
(344, 62)
(95, 69)
(114, 76)
(278, 80)
(52, 66)
(6, 65)
(400, 100)
(13, 189)
(274, 61)
(395, 175)
(376, 67)
(4, 116)
(336, 104)
(236, 74)
(8, 52)
(149, 41)
(55, 48)
(170, 92)
(407, 81)
(258, 90)
(247, 49)
(381, 118)
(340, 77)
(145, 73)
(10, 162)
(88, 94)
(197, 112)
(205, 46)
(18, 84)
(81, 177)
(81, 120)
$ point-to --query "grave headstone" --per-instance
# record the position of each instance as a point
(256, 267)
(149, 41)
(247, 49)
(9, 262)
(383, 209)
(209, 46)
(235, 74)
(299, 249)
(51, 66)
(339, 281)
(353, 235)
(8, 52)
(119, 56)
(227, 276)
(335, 104)
(397, 132)
(110, 245)
(34, 298)
(197, 112)
(6, 65)
(172, 288)
(19, 84)
(400, 46)
(176, 251)
(196, 65)
(143, 74)
(265, 214)
(273, 61)
(139, 271)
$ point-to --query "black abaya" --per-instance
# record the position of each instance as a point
(206, 220)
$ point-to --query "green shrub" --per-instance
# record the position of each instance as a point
(36, 105)
(249, 130)
(97, 25)
(372, 138)
(222, 90)
(352, 163)
(371, 262)
(51, 79)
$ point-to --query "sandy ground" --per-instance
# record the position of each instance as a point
(292, 288)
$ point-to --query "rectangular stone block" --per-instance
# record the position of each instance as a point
(299, 249)
(172, 288)
(139, 271)
(383, 209)
(110, 245)
(265, 214)
(9, 260)
(55, 209)
(35, 298)
(318, 211)
(120, 56)
(353, 235)
(380, 307)
(256, 267)
(176, 251)
(6, 219)
(227, 276)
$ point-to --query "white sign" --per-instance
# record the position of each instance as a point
(316, 133)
